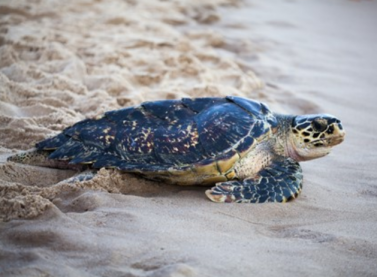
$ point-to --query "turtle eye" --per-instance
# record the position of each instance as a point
(318, 126)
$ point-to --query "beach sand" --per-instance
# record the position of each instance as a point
(63, 61)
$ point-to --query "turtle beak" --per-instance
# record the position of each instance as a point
(338, 134)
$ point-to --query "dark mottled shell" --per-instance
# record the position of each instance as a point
(156, 136)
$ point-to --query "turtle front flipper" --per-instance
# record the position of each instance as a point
(281, 181)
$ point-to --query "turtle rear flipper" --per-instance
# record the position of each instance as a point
(80, 177)
(41, 158)
(279, 182)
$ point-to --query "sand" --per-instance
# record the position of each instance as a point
(61, 62)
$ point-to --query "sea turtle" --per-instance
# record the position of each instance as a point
(249, 152)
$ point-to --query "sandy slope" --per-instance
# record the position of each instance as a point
(60, 63)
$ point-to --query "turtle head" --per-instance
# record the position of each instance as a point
(313, 136)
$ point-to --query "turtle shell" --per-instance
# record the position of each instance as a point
(165, 135)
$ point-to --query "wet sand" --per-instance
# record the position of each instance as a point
(60, 63)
